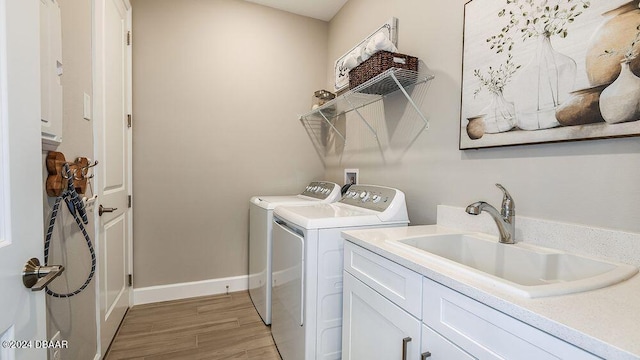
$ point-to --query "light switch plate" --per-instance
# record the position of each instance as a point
(86, 110)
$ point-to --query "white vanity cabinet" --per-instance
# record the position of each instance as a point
(381, 321)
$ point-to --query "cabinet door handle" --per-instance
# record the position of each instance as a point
(425, 355)
(405, 341)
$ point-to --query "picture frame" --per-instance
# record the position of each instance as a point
(389, 28)
(510, 96)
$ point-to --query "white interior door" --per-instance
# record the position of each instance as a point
(112, 149)
(22, 312)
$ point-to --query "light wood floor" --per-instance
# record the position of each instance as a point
(212, 327)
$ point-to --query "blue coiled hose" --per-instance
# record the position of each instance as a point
(78, 211)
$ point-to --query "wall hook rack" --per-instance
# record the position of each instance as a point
(57, 180)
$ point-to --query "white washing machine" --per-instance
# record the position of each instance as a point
(260, 220)
(306, 320)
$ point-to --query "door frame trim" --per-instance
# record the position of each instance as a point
(4, 124)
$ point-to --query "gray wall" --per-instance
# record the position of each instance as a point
(590, 182)
(216, 89)
(74, 317)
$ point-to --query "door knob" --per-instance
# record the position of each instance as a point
(102, 210)
(36, 277)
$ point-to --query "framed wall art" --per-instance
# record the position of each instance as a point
(538, 71)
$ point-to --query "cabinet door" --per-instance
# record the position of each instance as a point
(435, 347)
(374, 327)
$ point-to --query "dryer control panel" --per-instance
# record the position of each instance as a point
(371, 197)
(320, 189)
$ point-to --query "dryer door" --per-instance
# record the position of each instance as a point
(287, 318)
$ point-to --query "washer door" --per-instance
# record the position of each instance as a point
(287, 318)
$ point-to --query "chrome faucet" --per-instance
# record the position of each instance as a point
(505, 219)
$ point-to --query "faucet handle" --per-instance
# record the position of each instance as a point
(508, 204)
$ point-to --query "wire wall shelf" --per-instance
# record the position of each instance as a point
(321, 123)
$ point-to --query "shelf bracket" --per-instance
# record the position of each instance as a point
(355, 109)
(375, 134)
(406, 94)
(310, 128)
(333, 127)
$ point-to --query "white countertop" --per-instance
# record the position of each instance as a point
(605, 322)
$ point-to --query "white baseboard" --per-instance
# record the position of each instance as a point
(153, 294)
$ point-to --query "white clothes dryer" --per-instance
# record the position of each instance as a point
(260, 220)
(308, 262)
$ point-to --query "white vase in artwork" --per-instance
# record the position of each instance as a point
(616, 32)
(542, 86)
(499, 115)
(620, 101)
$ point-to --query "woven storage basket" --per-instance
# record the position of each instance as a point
(379, 63)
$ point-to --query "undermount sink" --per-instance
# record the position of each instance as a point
(523, 269)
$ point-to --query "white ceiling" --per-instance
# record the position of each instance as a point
(317, 9)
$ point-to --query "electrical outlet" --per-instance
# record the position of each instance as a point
(54, 354)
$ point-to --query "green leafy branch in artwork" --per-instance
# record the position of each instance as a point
(630, 52)
(495, 79)
(533, 18)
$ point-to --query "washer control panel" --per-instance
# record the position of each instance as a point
(369, 197)
(319, 189)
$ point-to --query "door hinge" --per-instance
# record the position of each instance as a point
(130, 279)
(128, 37)
(129, 201)
(129, 120)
